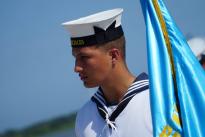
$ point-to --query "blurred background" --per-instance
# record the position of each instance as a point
(39, 92)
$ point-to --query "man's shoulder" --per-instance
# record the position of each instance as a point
(88, 106)
(84, 119)
(86, 111)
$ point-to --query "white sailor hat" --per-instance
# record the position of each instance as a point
(198, 47)
(95, 29)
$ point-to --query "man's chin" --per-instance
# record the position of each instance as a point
(90, 85)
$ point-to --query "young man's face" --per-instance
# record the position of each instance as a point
(93, 64)
(203, 65)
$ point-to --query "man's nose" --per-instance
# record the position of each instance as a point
(78, 67)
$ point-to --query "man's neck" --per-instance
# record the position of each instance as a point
(116, 87)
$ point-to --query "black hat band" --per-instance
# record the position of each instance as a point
(100, 37)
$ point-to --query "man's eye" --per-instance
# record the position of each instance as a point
(84, 57)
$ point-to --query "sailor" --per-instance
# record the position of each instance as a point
(121, 105)
(198, 47)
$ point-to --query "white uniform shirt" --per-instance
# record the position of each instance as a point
(133, 121)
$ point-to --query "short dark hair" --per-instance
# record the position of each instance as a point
(118, 44)
(202, 60)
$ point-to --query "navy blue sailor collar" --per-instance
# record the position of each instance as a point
(140, 84)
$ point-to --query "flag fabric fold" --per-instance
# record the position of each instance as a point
(177, 80)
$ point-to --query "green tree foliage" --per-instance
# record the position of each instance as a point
(39, 129)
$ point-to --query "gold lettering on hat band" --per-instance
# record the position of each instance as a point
(77, 42)
(99, 37)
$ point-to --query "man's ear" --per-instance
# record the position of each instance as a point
(115, 54)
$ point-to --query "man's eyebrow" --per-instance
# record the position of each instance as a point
(74, 53)
(78, 54)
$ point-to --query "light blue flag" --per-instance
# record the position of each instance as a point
(177, 80)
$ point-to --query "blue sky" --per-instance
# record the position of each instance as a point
(37, 81)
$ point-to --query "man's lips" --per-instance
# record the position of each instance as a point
(82, 77)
